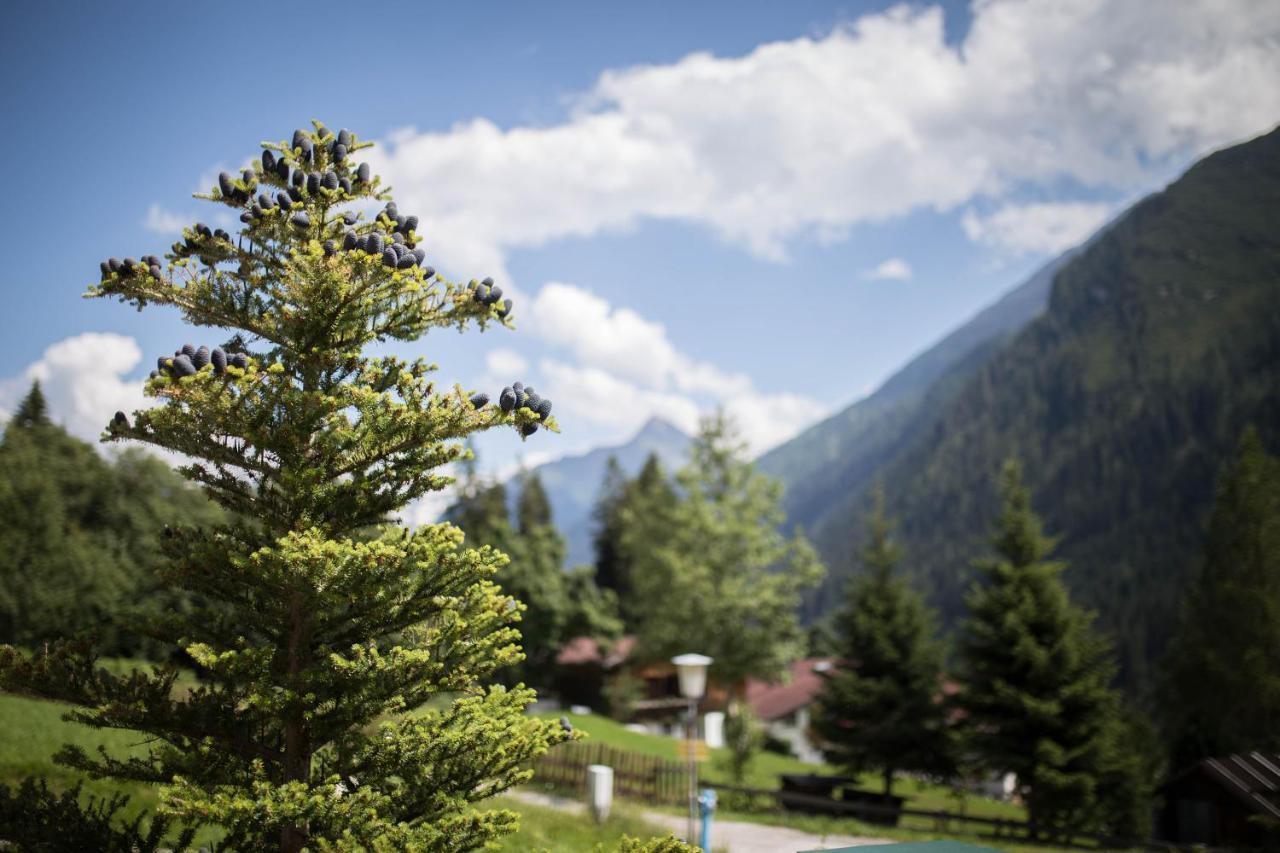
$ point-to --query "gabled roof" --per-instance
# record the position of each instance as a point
(773, 700)
(581, 650)
(1254, 779)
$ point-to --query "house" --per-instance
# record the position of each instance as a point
(1224, 802)
(784, 706)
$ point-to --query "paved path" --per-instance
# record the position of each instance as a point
(734, 836)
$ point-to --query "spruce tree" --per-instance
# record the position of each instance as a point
(605, 538)
(1222, 672)
(880, 707)
(323, 630)
(1035, 688)
(33, 411)
(712, 572)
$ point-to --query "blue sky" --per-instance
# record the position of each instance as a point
(765, 206)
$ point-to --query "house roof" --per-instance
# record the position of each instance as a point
(772, 700)
(1254, 778)
(584, 650)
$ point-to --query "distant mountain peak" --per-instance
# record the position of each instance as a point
(659, 426)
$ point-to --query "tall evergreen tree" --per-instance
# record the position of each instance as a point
(533, 508)
(713, 573)
(316, 637)
(1035, 688)
(1222, 674)
(606, 538)
(33, 411)
(880, 707)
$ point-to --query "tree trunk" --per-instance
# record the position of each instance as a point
(888, 781)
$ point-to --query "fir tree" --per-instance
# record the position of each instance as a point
(33, 411)
(321, 641)
(1035, 690)
(1222, 673)
(712, 573)
(880, 708)
(608, 532)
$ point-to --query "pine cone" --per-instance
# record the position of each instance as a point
(505, 309)
(298, 179)
(495, 293)
(105, 268)
(299, 136)
(429, 272)
(240, 360)
(201, 358)
(543, 408)
(282, 169)
(487, 281)
(528, 430)
(182, 366)
(265, 201)
(345, 183)
(300, 219)
(406, 261)
(411, 223)
(344, 137)
(375, 244)
(481, 294)
(156, 271)
(268, 161)
(189, 350)
(295, 195)
(339, 153)
(313, 183)
(226, 184)
(120, 420)
(219, 359)
(566, 725)
(507, 400)
(479, 401)
(349, 218)
(349, 241)
(329, 248)
(362, 173)
(389, 257)
(518, 387)
(419, 255)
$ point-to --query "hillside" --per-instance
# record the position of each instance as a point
(573, 483)
(1160, 342)
(827, 467)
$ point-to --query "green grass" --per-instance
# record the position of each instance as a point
(546, 829)
(768, 766)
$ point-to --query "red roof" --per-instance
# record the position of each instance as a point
(582, 650)
(772, 700)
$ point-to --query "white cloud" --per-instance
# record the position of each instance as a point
(81, 377)
(876, 119)
(628, 370)
(1045, 228)
(505, 365)
(164, 221)
(890, 269)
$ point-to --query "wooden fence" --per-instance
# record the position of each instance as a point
(642, 777)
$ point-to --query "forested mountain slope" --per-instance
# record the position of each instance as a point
(1160, 343)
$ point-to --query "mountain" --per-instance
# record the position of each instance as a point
(573, 483)
(1160, 342)
(827, 467)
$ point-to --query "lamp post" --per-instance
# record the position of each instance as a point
(691, 669)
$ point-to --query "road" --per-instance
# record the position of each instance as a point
(730, 836)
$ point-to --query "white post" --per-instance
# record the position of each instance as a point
(713, 729)
(599, 791)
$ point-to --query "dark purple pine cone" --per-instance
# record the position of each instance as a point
(344, 137)
(282, 169)
(339, 153)
(528, 430)
(240, 360)
(350, 241)
(507, 400)
(268, 161)
(406, 261)
(375, 244)
(313, 183)
(329, 248)
(345, 183)
(505, 309)
(389, 257)
(349, 218)
(543, 408)
(298, 179)
(298, 137)
(226, 184)
(300, 219)
(479, 401)
(219, 360)
(189, 350)
(105, 268)
(411, 223)
(419, 255)
(265, 201)
(182, 366)
(201, 358)
(120, 420)
(284, 201)
(362, 173)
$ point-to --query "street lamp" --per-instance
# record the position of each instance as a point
(691, 670)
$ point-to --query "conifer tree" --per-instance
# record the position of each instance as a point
(1222, 672)
(605, 538)
(636, 512)
(1035, 690)
(713, 573)
(320, 637)
(880, 707)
